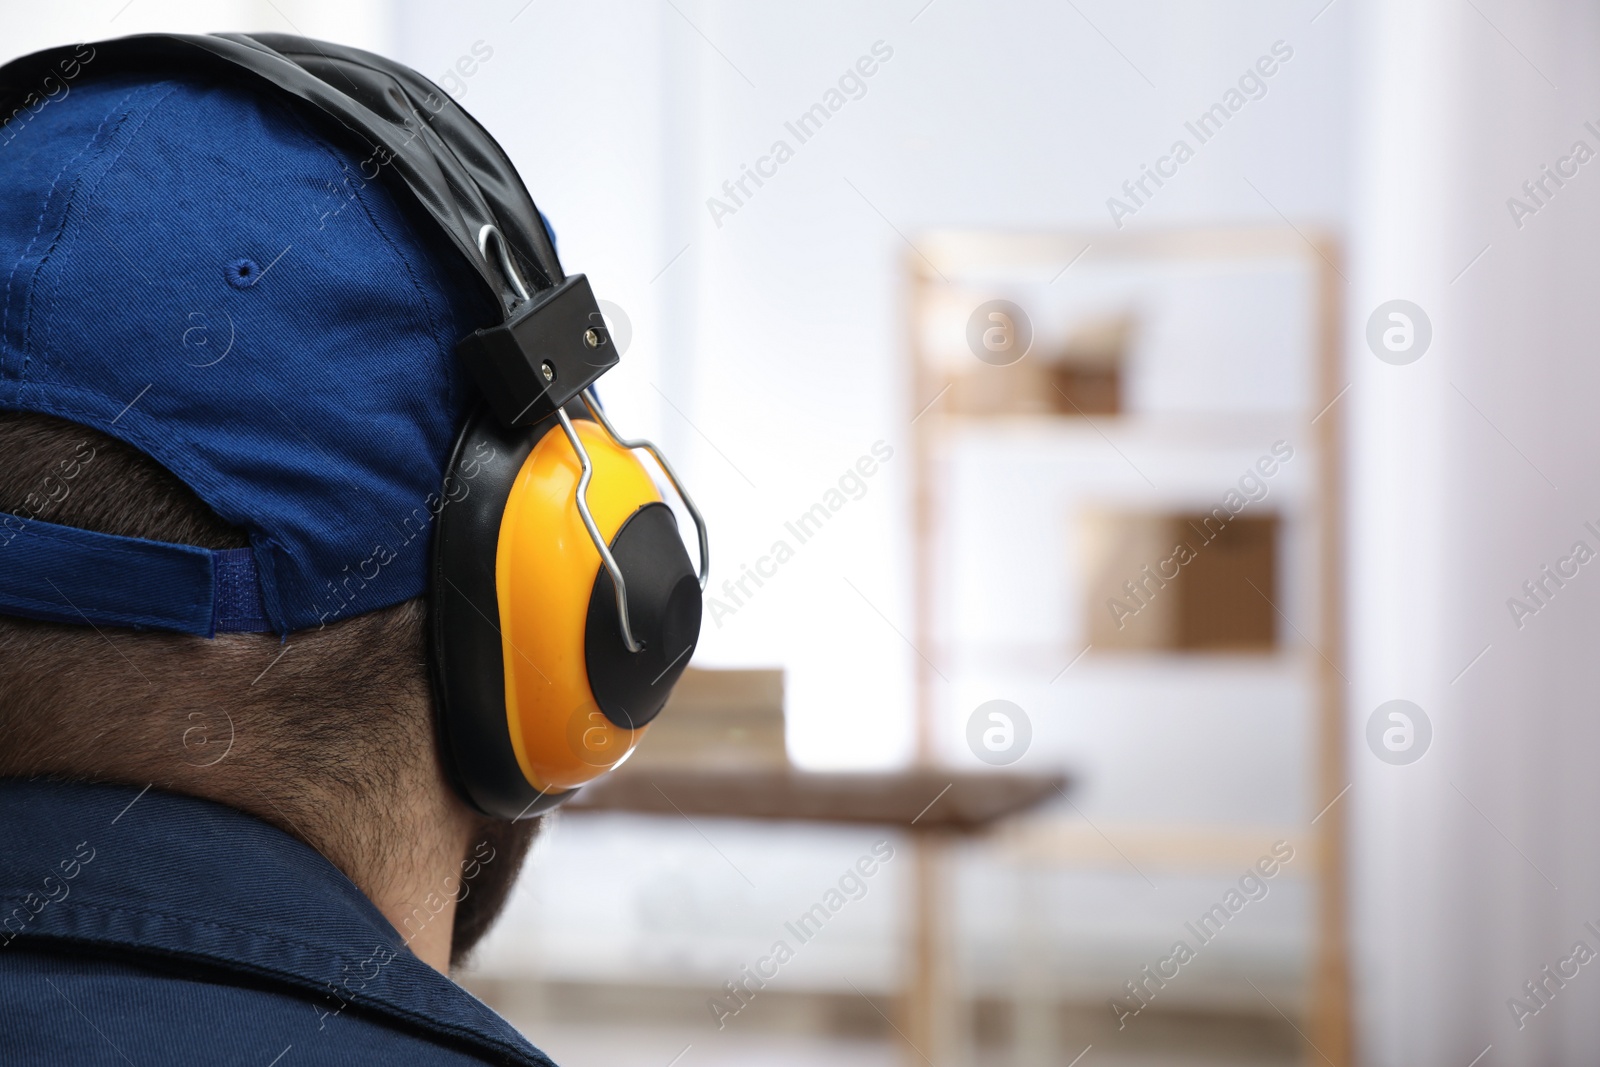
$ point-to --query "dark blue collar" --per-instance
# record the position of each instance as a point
(175, 879)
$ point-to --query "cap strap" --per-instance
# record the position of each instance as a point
(64, 574)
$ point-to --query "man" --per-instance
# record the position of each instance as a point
(220, 327)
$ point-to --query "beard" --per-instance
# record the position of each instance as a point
(499, 849)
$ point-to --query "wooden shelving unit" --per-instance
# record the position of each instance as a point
(945, 263)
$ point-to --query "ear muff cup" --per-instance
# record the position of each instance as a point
(663, 611)
(536, 692)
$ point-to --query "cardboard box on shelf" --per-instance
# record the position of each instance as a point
(1182, 582)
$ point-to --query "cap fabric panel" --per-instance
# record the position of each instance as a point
(42, 228)
(214, 283)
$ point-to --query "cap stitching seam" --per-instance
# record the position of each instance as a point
(5, 314)
(112, 151)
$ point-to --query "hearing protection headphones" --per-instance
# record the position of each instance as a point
(562, 603)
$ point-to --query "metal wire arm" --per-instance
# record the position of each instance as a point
(594, 531)
(699, 523)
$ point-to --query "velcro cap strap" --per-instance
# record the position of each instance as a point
(63, 574)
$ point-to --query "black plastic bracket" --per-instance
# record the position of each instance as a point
(550, 349)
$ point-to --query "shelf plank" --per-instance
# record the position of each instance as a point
(918, 799)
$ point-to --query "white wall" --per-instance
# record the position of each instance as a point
(1471, 468)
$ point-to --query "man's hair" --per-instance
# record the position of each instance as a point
(331, 708)
(317, 733)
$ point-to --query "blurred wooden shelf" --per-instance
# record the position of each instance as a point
(918, 799)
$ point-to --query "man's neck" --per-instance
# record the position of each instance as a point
(418, 896)
(405, 852)
(407, 859)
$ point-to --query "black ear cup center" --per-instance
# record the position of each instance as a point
(663, 610)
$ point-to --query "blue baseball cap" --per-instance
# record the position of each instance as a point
(193, 267)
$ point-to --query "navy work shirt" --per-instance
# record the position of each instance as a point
(151, 928)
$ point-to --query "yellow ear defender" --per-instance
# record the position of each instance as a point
(564, 606)
(538, 689)
(545, 571)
